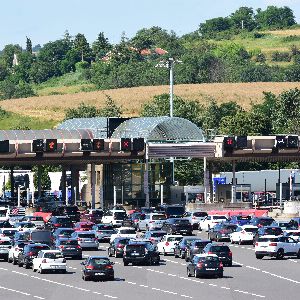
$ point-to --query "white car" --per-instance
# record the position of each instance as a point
(5, 245)
(15, 250)
(49, 260)
(114, 217)
(276, 246)
(124, 232)
(243, 234)
(294, 234)
(151, 221)
(167, 244)
(211, 221)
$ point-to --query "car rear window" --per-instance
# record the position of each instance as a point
(123, 242)
(275, 231)
(66, 232)
(220, 249)
(201, 244)
(99, 261)
(293, 234)
(86, 236)
(69, 242)
(39, 248)
(174, 238)
(265, 240)
(265, 222)
(251, 229)
(209, 258)
(53, 255)
(127, 231)
(158, 234)
(105, 227)
(219, 217)
(230, 227)
(4, 243)
(182, 221)
(135, 247)
(159, 217)
(120, 215)
(243, 218)
(199, 214)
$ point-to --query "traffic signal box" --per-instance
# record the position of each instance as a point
(38, 146)
(229, 143)
(4, 146)
(138, 144)
(125, 144)
(98, 145)
(51, 145)
(232, 143)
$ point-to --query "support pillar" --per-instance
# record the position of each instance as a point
(210, 185)
(63, 184)
(39, 174)
(93, 184)
(12, 182)
(205, 181)
(73, 184)
(233, 187)
(146, 183)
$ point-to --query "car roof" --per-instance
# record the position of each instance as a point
(51, 251)
(206, 255)
(96, 256)
(248, 226)
(269, 236)
(67, 239)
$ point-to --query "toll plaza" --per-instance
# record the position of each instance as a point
(133, 159)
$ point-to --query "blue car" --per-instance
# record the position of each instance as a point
(240, 220)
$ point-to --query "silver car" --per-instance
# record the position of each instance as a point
(86, 239)
(151, 221)
(195, 217)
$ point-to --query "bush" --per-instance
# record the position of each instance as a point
(281, 56)
(82, 65)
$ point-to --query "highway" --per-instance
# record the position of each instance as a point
(248, 278)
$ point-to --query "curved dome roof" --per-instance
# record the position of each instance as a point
(159, 129)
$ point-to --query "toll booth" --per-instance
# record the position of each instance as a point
(224, 192)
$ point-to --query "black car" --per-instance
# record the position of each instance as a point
(60, 221)
(267, 230)
(205, 265)
(116, 248)
(97, 268)
(261, 221)
(177, 225)
(222, 250)
(195, 247)
(180, 248)
(221, 232)
(172, 211)
(29, 252)
(62, 233)
(136, 252)
(69, 247)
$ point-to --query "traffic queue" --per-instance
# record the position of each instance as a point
(44, 242)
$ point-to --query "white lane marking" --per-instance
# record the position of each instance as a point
(20, 273)
(39, 297)
(225, 288)
(249, 267)
(281, 277)
(97, 293)
(237, 263)
(15, 291)
(72, 268)
(137, 267)
(155, 289)
(130, 282)
(109, 296)
(293, 260)
(211, 284)
(243, 292)
(4, 269)
(145, 286)
(81, 289)
(185, 296)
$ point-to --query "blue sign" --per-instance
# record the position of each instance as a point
(218, 180)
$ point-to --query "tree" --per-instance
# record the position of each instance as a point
(213, 26)
(243, 18)
(7, 54)
(111, 109)
(82, 111)
(81, 45)
(101, 46)
(45, 178)
(28, 45)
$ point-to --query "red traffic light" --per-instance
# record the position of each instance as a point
(125, 144)
(98, 144)
(229, 143)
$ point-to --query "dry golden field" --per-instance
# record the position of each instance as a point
(53, 107)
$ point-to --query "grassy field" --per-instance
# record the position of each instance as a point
(52, 108)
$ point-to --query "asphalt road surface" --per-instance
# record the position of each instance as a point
(248, 278)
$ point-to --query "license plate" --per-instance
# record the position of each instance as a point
(54, 267)
(210, 269)
(134, 254)
(99, 274)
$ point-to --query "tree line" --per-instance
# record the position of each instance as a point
(134, 62)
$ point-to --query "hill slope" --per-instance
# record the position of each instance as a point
(52, 108)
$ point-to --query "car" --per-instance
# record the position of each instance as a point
(36, 220)
(180, 247)
(135, 218)
(205, 265)
(172, 211)
(114, 217)
(211, 221)
(240, 220)
(86, 239)
(151, 221)
(177, 226)
(72, 212)
(284, 225)
(25, 226)
(59, 221)
(261, 221)
(243, 234)
(221, 232)
(124, 232)
(294, 234)
(8, 232)
(195, 217)
(93, 215)
(276, 246)
(49, 260)
(220, 249)
(83, 226)
(30, 251)
(267, 230)
(155, 236)
(62, 233)
(97, 267)
(5, 245)
(40, 236)
(167, 244)
(20, 236)
(69, 247)
(140, 252)
(15, 250)
(103, 231)
(116, 247)
(295, 222)
(195, 247)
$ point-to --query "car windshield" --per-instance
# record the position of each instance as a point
(220, 249)
(53, 255)
(174, 238)
(105, 227)
(230, 227)
(123, 241)
(120, 215)
(8, 232)
(127, 231)
(199, 214)
(265, 222)
(71, 209)
(66, 232)
(250, 229)
(158, 217)
(69, 242)
(99, 261)
(85, 225)
(175, 210)
(201, 244)
(219, 218)
(86, 236)
(294, 233)
(158, 234)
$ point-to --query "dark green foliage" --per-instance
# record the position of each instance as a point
(9, 90)
(281, 56)
(45, 178)
(28, 45)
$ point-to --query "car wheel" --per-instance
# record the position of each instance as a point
(9, 260)
(182, 255)
(221, 275)
(195, 274)
(41, 271)
(33, 269)
(175, 254)
(109, 253)
(280, 254)
(231, 241)
(125, 263)
(298, 254)
(230, 264)
(116, 254)
(240, 242)
(199, 228)
(26, 266)
(14, 261)
(164, 252)
(150, 262)
(259, 256)
(188, 272)
(84, 277)
(20, 264)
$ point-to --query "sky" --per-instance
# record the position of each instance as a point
(47, 20)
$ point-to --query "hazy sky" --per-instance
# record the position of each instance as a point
(47, 20)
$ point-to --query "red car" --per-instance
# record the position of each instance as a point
(83, 226)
